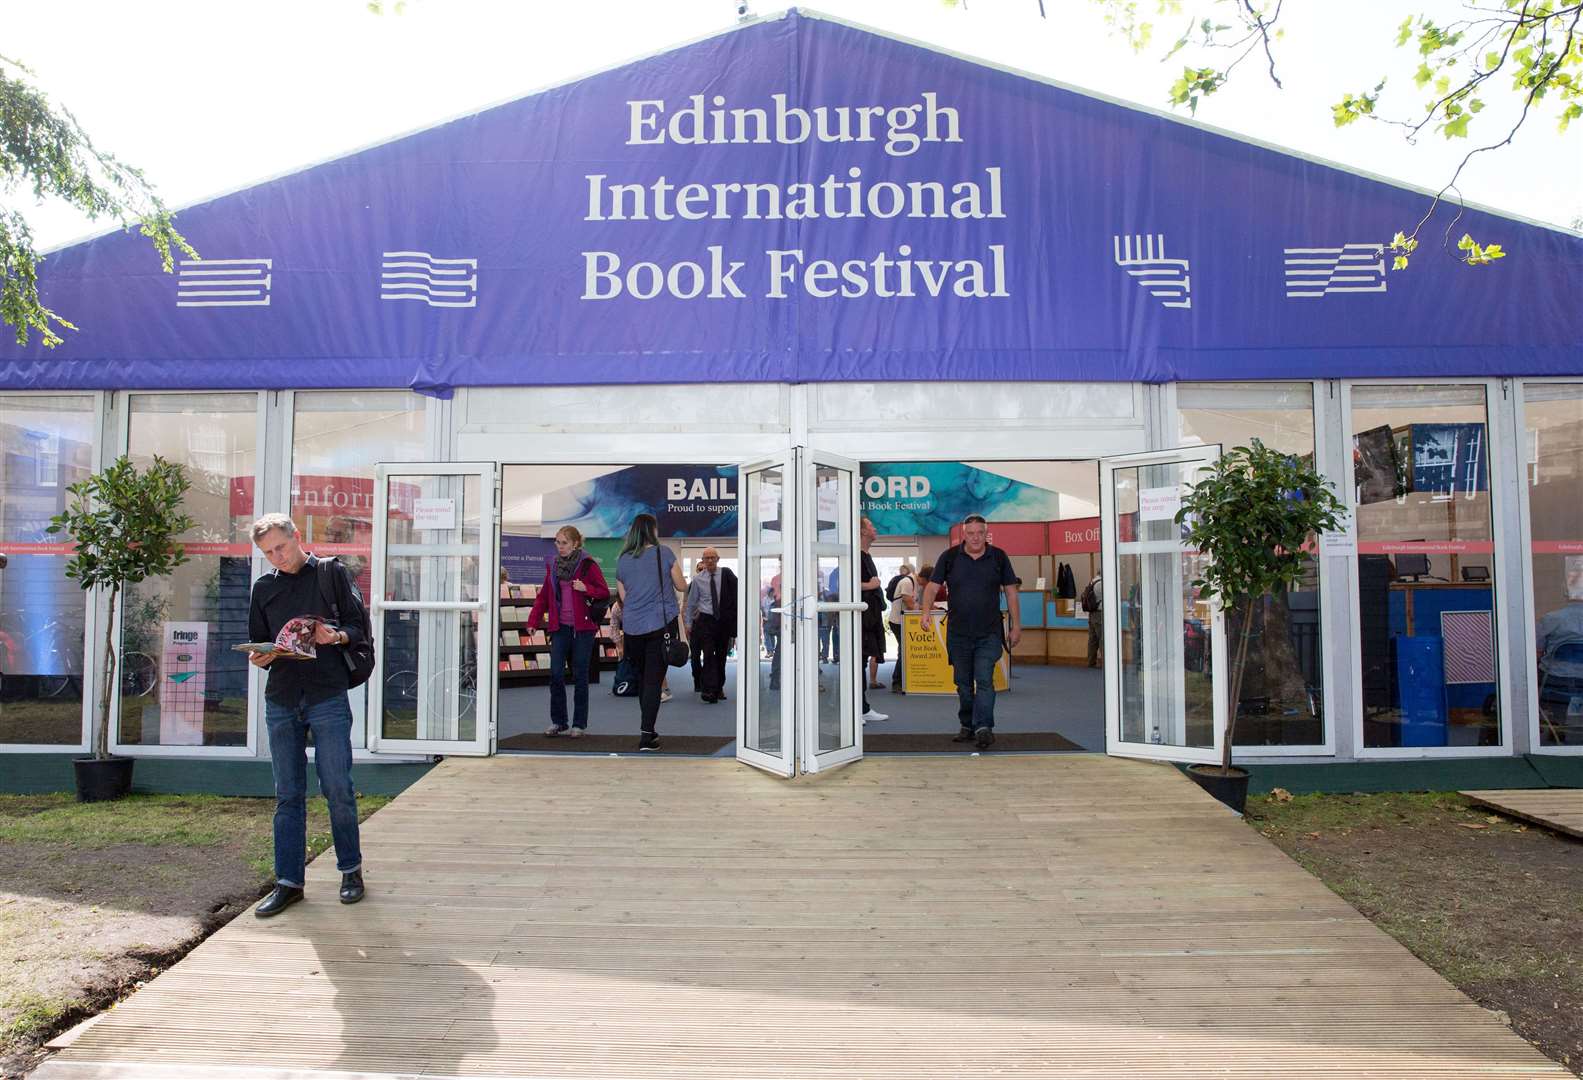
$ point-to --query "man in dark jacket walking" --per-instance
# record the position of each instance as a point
(711, 618)
(303, 696)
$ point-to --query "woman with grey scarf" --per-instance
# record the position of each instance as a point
(570, 582)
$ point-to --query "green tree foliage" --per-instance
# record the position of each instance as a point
(125, 523)
(1253, 514)
(1529, 52)
(45, 154)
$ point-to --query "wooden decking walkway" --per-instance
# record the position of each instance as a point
(938, 918)
(1560, 809)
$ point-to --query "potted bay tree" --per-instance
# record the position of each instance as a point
(1255, 515)
(123, 522)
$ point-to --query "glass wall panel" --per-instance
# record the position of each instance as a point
(181, 684)
(337, 437)
(1283, 688)
(47, 443)
(1554, 480)
(1426, 566)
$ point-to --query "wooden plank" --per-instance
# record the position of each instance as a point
(1558, 809)
(897, 919)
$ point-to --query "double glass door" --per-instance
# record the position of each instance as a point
(797, 535)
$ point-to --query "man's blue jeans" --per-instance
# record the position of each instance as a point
(973, 658)
(580, 647)
(330, 721)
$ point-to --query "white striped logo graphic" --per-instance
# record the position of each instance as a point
(417, 275)
(1347, 269)
(223, 283)
(1143, 258)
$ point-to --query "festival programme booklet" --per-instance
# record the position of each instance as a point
(294, 642)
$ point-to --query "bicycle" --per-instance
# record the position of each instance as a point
(402, 687)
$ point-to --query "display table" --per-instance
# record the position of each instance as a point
(925, 667)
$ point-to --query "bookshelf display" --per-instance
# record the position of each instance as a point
(524, 653)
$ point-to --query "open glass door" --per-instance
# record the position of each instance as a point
(830, 694)
(766, 614)
(1164, 645)
(433, 608)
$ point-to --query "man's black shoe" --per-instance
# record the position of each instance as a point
(352, 887)
(710, 699)
(648, 741)
(983, 738)
(279, 900)
(965, 735)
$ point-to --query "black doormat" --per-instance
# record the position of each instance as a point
(902, 742)
(539, 742)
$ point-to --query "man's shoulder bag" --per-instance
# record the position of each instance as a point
(359, 655)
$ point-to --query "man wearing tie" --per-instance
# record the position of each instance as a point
(711, 617)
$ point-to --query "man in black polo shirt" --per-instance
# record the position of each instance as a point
(303, 696)
(975, 574)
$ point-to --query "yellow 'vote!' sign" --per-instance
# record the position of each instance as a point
(925, 667)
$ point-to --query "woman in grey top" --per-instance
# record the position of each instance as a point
(648, 609)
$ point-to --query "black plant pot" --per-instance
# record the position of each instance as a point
(100, 780)
(1231, 789)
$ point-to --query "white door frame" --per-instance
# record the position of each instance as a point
(486, 605)
(847, 608)
(1111, 548)
(749, 548)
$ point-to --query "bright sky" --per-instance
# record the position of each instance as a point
(210, 95)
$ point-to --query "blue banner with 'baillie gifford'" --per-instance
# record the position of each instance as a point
(798, 200)
(902, 498)
(686, 500)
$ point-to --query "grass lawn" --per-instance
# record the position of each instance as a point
(1492, 904)
(96, 897)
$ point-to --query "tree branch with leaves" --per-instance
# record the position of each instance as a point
(46, 154)
(1529, 52)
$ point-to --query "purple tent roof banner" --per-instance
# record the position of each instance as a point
(801, 200)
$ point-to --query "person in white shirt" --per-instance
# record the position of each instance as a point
(904, 598)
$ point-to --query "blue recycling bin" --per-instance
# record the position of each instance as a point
(1421, 690)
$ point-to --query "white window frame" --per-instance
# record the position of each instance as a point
(1497, 448)
(285, 468)
(93, 624)
(1530, 614)
(255, 696)
(1329, 606)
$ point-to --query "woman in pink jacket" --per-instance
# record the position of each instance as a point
(569, 583)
